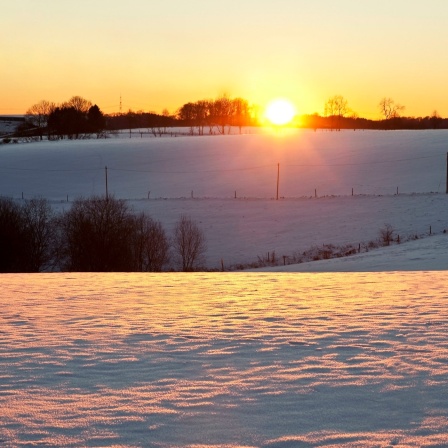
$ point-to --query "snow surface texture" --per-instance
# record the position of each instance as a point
(317, 173)
(224, 359)
(272, 360)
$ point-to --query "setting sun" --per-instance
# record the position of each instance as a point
(280, 112)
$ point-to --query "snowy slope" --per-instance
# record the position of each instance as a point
(199, 176)
(354, 360)
(266, 359)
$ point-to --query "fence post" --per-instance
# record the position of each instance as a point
(278, 178)
(447, 173)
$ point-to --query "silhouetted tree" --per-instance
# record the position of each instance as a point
(221, 112)
(13, 242)
(241, 113)
(78, 103)
(95, 120)
(189, 244)
(26, 236)
(96, 235)
(436, 120)
(218, 113)
(195, 114)
(150, 244)
(336, 108)
(389, 109)
(37, 115)
(67, 121)
(39, 227)
(75, 117)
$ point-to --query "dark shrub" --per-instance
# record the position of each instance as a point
(96, 235)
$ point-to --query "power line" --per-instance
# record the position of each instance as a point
(192, 172)
(45, 170)
(3, 168)
(369, 163)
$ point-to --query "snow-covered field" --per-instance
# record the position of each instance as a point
(7, 127)
(318, 171)
(266, 359)
(224, 359)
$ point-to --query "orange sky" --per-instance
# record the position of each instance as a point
(162, 53)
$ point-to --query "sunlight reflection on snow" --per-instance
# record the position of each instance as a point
(224, 359)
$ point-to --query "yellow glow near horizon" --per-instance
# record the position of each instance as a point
(257, 51)
(280, 112)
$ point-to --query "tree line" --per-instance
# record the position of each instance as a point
(72, 118)
(79, 117)
(338, 115)
(216, 114)
(97, 234)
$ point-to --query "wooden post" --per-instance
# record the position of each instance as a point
(278, 178)
(352, 191)
(315, 192)
(447, 173)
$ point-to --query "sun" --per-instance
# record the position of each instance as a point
(280, 112)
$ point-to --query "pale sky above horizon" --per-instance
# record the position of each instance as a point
(161, 54)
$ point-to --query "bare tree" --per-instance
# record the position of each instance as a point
(241, 112)
(37, 115)
(78, 103)
(435, 119)
(151, 244)
(96, 235)
(187, 114)
(336, 108)
(189, 244)
(39, 227)
(221, 112)
(389, 109)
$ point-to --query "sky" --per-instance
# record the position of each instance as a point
(158, 54)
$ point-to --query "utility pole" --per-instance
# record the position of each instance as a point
(278, 178)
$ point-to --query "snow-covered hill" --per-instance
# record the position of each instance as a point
(229, 185)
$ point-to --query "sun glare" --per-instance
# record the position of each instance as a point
(280, 112)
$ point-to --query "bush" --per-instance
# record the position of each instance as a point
(387, 234)
(102, 235)
(96, 235)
